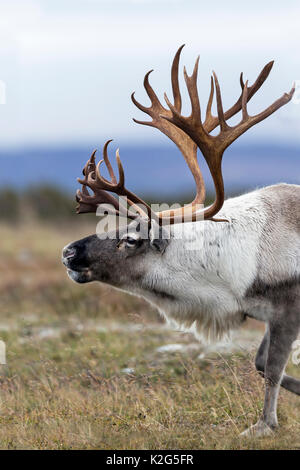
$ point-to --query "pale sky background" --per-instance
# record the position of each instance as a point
(70, 65)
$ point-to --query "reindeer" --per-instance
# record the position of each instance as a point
(248, 261)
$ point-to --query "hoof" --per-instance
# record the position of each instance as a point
(260, 429)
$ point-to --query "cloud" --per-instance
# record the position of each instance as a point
(70, 66)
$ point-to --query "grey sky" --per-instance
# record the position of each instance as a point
(70, 65)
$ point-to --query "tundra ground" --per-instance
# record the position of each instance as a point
(92, 368)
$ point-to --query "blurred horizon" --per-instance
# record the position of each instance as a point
(154, 171)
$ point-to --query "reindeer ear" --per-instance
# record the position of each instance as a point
(159, 238)
(159, 244)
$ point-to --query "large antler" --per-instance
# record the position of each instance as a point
(182, 140)
(188, 133)
(213, 147)
(160, 114)
(100, 187)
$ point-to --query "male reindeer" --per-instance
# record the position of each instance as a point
(248, 263)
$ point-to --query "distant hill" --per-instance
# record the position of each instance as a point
(151, 170)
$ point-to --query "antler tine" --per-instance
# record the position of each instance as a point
(191, 83)
(90, 165)
(211, 122)
(209, 115)
(245, 114)
(260, 79)
(223, 125)
(175, 81)
(242, 81)
(248, 121)
(155, 102)
(153, 99)
(150, 92)
(107, 162)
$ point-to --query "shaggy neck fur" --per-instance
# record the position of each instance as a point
(201, 281)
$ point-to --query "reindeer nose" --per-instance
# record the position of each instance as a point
(69, 252)
(74, 255)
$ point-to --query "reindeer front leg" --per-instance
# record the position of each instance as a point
(276, 348)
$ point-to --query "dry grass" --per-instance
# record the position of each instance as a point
(64, 386)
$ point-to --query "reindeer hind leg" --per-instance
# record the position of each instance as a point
(271, 360)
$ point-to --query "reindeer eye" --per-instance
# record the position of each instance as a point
(131, 241)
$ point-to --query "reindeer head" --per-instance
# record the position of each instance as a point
(119, 258)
